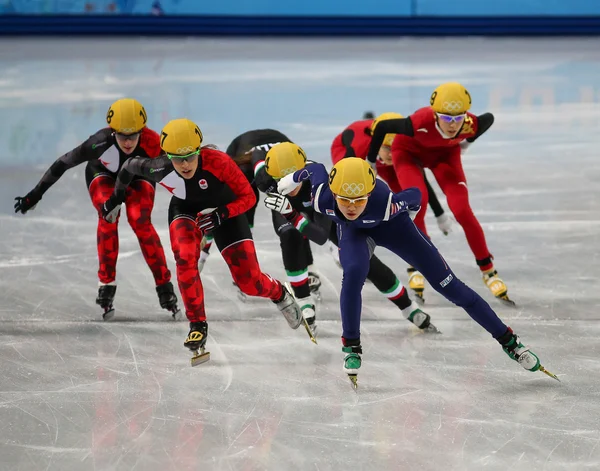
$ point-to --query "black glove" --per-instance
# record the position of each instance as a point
(27, 202)
(265, 182)
(110, 210)
(211, 218)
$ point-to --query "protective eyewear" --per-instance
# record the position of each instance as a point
(345, 202)
(184, 158)
(448, 118)
(127, 137)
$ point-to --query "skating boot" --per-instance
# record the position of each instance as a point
(419, 318)
(314, 284)
(512, 346)
(288, 306)
(106, 296)
(416, 282)
(497, 286)
(310, 316)
(168, 299)
(196, 342)
(352, 361)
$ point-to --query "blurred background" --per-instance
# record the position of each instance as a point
(77, 393)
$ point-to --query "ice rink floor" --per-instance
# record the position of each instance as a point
(77, 393)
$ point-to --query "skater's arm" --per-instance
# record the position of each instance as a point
(232, 176)
(347, 138)
(312, 231)
(318, 230)
(91, 149)
(434, 203)
(316, 173)
(484, 122)
(390, 126)
(150, 169)
(408, 200)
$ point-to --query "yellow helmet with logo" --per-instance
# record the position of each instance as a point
(383, 117)
(450, 98)
(351, 178)
(126, 116)
(283, 159)
(180, 137)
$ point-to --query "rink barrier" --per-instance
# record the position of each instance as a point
(296, 26)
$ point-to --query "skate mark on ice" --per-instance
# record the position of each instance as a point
(395, 396)
(135, 363)
(228, 369)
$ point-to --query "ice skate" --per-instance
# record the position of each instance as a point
(310, 317)
(314, 283)
(420, 318)
(352, 362)
(196, 342)
(497, 287)
(416, 282)
(288, 306)
(512, 346)
(106, 296)
(168, 299)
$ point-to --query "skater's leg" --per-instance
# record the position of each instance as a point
(391, 287)
(403, 238)
(355, 253)
(100, 189)
(451, 178)
(185, 242)
(139, 201)
(293, 254)
(234, 240)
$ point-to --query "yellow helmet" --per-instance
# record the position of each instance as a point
(283, 159)
(383, 117)
(351, 178)
(450, 98)
(126, 116)
(180, 137)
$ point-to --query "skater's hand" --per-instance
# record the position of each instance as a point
(211, 218)
(279, 203)
(464, 145)
(110, 210)
(287, 184)
(27, 202)
(445, 222)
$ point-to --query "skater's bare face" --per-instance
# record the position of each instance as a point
(127, 142)
(450, 125)
(351, 208)
(185, 166)
(385, 154)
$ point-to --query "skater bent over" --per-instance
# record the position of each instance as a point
(368, 214)
(210, 193)
(105, 153)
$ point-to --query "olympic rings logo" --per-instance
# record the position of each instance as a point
(353, 189)
(184, 150)
(127, 130)
(453, 106)
(287, 171)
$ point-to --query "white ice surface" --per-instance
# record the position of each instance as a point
(77, 393)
